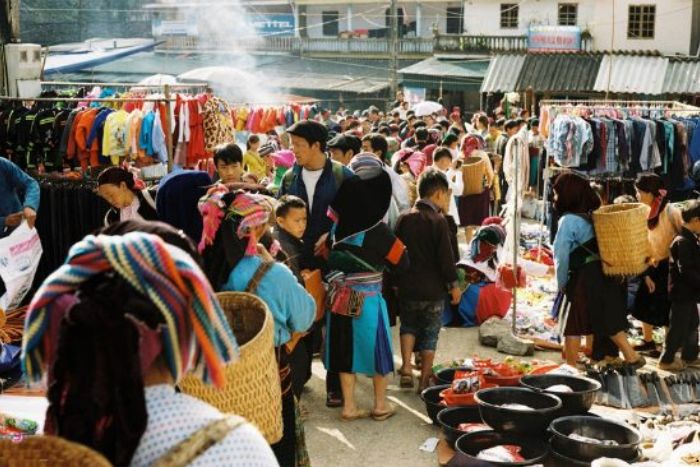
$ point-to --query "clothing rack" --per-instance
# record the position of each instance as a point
(166, 98)
(638, 105)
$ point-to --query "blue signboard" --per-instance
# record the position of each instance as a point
(553, 38)
(277, 24)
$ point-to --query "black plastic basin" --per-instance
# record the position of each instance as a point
(534, 450)
(431, 398)
(524, 422)
(449, 419)
(593, 427)
(578, 402)
(447, 375)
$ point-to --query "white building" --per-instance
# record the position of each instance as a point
(669, 26)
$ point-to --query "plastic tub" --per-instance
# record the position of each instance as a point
(525, 422)
(578, 402)
(534, 450)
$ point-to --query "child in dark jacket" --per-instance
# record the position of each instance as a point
(432, 273)
(290, 216)
(684, 292)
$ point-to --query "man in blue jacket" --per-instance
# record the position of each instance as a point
(19, 197)
(315, 178)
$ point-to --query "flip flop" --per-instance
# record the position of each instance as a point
(361, 413)
(406, 382)
(381, 416)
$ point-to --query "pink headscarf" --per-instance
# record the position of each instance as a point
(416, 160)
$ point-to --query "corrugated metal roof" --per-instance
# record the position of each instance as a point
(560, 72)
(682, 77)
(442, 67)
(503, 72)
(632, 74)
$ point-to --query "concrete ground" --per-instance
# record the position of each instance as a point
(395, 442)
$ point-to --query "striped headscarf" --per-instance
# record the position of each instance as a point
(255, 210)
(195, 335)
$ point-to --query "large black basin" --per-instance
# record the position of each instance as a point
(534, 450)
(593, 427)
(450, 418)
(578, 402)
(431, 398)
(524, 422)
(447, 375)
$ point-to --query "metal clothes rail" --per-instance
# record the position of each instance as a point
(201, 85)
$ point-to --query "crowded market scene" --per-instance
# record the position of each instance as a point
(414, 243)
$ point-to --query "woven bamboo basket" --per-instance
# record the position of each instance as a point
(474, 176)
(36, 451)
(252, 389)
(622, 234)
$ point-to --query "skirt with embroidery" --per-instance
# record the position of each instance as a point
(360, 344)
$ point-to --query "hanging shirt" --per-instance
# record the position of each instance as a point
(114, 142)
(146, 135)
(160, 149)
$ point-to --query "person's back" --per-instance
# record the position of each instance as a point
(175, 417)
(426, 233)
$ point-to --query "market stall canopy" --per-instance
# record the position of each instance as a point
(632, 74)
(559, 72)
(683, 76)
(455, 73)
(503, 72)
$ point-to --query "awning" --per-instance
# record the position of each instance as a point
(632, 74)
(503, 72)
(682, 76)
(453, 74)
(559, 72)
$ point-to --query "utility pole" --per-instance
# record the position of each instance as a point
(393, 53)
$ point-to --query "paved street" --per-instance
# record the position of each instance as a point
(394, 442)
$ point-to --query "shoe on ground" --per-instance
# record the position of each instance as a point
(675, 366)
(645, 346)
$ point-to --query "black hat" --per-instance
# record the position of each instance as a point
(346, 143)
(311, 131)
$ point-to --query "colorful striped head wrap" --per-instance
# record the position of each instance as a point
(195, 334)
(255, 211)
(366, 165)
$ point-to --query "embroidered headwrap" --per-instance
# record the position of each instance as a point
(195, 334)
(255, 211)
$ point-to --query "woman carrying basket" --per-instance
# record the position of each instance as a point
(651, 304)
(253, 269)
(594, 303)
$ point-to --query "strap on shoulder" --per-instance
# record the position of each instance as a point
(199, 442)
(264, 267)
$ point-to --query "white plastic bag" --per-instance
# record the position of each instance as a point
(20, 253)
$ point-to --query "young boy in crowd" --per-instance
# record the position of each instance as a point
(426, 233)
(684, 292)
(291, 224)
(228, 159)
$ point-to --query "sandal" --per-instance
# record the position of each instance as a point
(333, 400)
(362, 413)
(406, 382)
(381, 416)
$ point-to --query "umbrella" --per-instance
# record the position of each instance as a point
(426, 108)
(159, 80)
(216, 74)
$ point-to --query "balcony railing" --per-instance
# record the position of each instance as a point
(359, 46)
(456, 43)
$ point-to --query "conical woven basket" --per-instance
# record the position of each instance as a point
(474, 175)
(621, 230)
(36, 451)
(252, 388)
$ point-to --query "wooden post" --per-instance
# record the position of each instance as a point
(168, 126)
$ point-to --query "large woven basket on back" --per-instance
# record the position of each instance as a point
(623, 240)
(474, 175)
(40, 451)
(252, 388)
